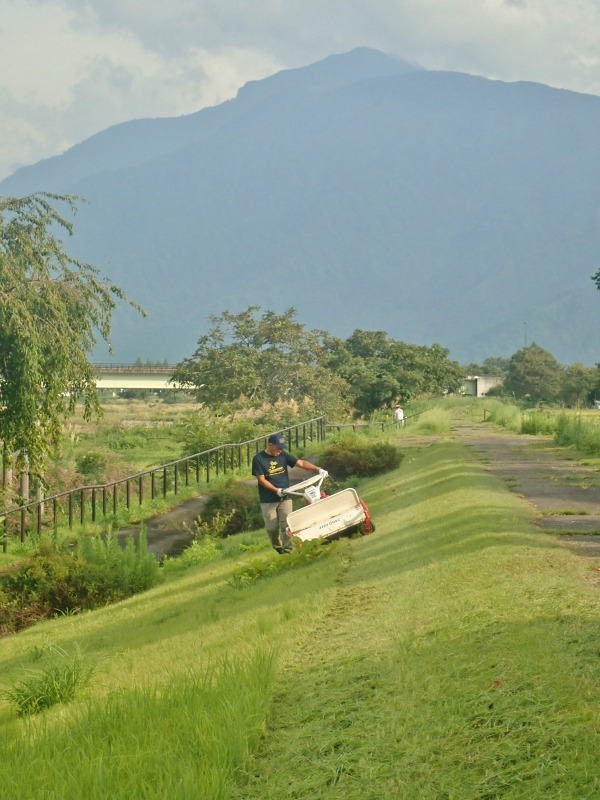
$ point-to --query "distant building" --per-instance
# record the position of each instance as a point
(479, 385)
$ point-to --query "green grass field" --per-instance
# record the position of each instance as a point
(453, 654)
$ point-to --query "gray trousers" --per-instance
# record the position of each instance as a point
(275, 516)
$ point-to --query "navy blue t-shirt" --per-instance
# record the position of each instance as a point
(275, 470)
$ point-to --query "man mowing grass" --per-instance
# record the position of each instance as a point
(271, 469)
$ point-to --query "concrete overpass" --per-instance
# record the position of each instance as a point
(134, 376)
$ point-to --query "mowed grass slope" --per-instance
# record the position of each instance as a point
(452, 654)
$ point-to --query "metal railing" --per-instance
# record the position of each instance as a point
(90, 503)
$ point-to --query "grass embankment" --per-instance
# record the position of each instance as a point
(453, 654)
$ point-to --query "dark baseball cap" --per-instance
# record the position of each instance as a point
(278, 439)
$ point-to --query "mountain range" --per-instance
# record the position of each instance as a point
(364, 191)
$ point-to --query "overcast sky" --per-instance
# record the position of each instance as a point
(70, 68)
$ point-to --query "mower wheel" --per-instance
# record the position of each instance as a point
(367, 527)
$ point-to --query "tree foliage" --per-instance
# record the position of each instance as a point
(264, 357)
(578, 384)
(493, 365)
(267, 357)
(52, 307)
(382, 371)
(534, 374)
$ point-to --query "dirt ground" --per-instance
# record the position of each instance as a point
(564, 494)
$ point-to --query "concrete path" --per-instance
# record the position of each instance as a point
(564, 494)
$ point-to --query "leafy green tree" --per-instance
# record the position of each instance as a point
(534, 374)
(52, 307)
(262, 357)
(493, 365)
(577, 384)
(594, 394)
(266, 357)
(381, 370)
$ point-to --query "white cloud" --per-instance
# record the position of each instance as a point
(69, 68)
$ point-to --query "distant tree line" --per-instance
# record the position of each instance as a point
(534, 375)
(259, 356)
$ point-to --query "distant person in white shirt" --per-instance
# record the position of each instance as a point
(399, 415)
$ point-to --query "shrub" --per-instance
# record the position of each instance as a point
(357, 456)
(91, 465)
(201, 551)
(236, 501)
(197, 434)
(48, 584)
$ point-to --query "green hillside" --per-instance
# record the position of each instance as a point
(452, 654)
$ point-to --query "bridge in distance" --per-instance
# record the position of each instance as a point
(138, 376)
(134, 376)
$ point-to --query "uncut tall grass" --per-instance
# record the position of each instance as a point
(582, 433)
(434, 420)
(184, 740)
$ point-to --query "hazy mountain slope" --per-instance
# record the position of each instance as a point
(435, 206)
(134, 142)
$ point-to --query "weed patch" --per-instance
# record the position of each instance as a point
(58, 682)
(236, 501)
